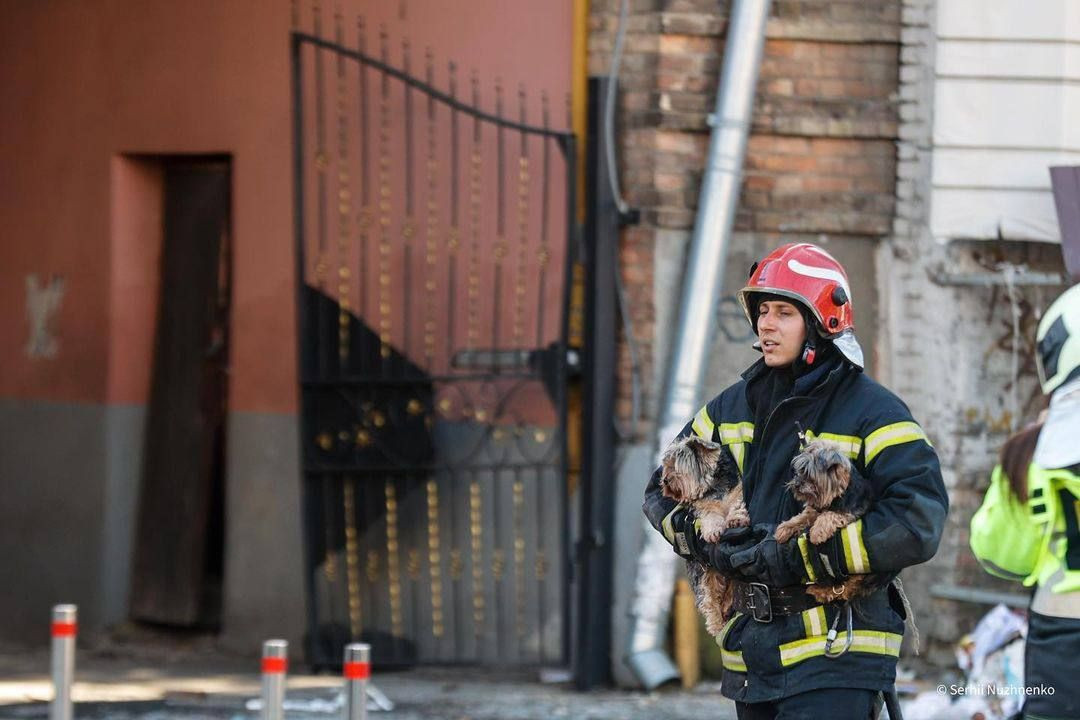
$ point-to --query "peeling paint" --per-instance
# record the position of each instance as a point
(42, 304)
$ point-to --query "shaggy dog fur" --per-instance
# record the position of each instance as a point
(700, 475)
(833, 497)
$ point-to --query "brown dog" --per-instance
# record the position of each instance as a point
(833, 497)
(701, 476)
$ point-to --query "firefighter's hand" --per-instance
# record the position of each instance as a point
(718, 555)
(767, 561)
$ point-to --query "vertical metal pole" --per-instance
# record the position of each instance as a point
(275, 663)
(304, 362)
(64, 628)
(566, 564)
(357, 670)
(594, 553)
(692, 335)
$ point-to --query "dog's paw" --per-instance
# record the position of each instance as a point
(712, 527)
(826, 525)
(738, 517)
(785, 531)
(819, 534)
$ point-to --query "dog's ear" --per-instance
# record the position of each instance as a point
(705, 450)
(838, 474)
(694, 441)
(667, 460)
(842, 471)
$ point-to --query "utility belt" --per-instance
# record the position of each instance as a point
(763, 602)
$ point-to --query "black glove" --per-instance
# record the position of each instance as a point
(717, 555)
(678, 529)
(770, 562)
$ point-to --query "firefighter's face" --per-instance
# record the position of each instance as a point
(781, 331)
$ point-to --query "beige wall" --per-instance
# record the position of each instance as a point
(94, 94)
(90, 83)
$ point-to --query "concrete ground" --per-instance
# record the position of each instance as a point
(187, 679)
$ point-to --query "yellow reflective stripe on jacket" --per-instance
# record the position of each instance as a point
(895, 434)
(703, 424)
(855, 557)
(737, 436)
(736, 432)
(814, 622)
(850, 445)
(665, 525)
(738, 451)
(730, 659)
(804, 549)
(865, 641)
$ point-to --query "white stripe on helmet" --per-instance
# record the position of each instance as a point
(819, 272)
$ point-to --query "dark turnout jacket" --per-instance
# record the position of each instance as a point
(837, 402)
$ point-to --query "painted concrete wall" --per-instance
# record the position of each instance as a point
(96, 92)
(1005, 76)
(948, 346)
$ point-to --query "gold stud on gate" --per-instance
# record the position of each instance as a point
(352, 557)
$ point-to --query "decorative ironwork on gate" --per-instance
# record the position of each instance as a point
(433, 254)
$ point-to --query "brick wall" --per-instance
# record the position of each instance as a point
(821, 159)
(840, 153)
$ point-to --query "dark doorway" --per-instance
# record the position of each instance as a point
(178, 565)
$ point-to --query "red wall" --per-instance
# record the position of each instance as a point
(93, 90)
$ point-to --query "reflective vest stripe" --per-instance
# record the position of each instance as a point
(864, 641)
(804, 549)
(889, 435)
(855, 556)
(736, 432)
(814, 622)
(850, 445)
(665, 524)
(703, 425)
(730, 659)
(738, 451)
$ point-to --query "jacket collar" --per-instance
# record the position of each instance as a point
(808, 382)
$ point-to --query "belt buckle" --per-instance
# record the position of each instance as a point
(758, 601)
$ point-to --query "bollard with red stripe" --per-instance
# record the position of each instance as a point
(64, 628)
(275, 664)
(357, 670)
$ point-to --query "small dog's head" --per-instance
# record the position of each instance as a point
(822, 473)
(689, 468)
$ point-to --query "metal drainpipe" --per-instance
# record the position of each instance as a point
(718, 201)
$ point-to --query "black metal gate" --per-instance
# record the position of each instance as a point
(433, 261)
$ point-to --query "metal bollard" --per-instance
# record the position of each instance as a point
(357, 670)
(275, 663)
(64, 627)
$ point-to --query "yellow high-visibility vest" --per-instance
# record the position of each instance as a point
(1031, 540)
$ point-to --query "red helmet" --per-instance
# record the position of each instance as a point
(814, 279)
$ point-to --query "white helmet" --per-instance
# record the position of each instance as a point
(1058, 342)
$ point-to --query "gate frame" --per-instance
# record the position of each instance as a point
(567, 144)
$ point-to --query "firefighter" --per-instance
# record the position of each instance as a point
(778, 661)
(1028, 527)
